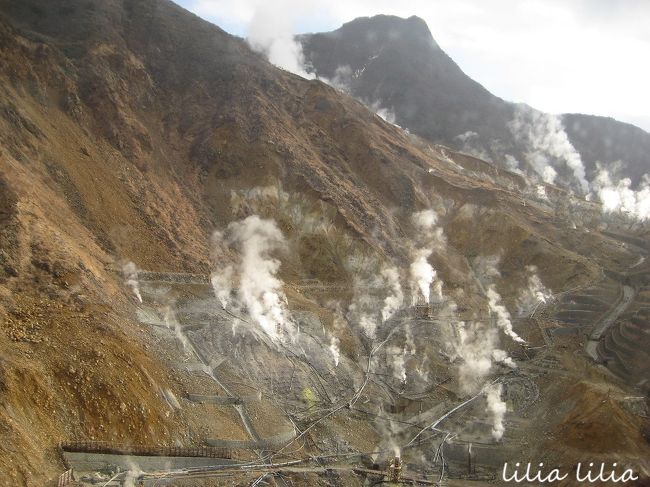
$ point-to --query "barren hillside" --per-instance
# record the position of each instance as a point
(130, 131)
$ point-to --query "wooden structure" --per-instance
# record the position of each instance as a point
(66, 478)
(422, 310)
(395, 470)
(107, 447)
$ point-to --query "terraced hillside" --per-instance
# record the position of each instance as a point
(139, 145)
(625, 348)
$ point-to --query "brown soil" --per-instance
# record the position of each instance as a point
(124, 141)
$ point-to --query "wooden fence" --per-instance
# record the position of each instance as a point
(144, 450)
(66, 478)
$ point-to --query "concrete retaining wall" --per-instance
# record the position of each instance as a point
(226, 400)
(269, 443)
(90, 462)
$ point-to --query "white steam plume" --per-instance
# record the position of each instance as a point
(364, 309)
(409, 340)
(425, 220)
(368, 325)
(171, 322)
(476, 345)
(394, 300)
(512, 164)
(471, 144)
(222, 285)
(540, 192)
(485, 270)
(502, 315)
(501, 357)
(132, 474)
(422, 273)
(546, 140)
(534, 295)
(259, 288)
(367, 309)
(387, 114)
(130, 271)
(548, 172)
(259, 291)
(342, 81)
(497, 409)
(430, 237)
(398, 362)
(270, 32)
(334, 347)
(621, 198)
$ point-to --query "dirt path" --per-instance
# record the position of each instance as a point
(601, 326)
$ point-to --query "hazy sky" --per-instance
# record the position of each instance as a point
(588, 56)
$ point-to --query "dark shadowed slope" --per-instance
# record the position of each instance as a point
(605, 140)
(395, 64)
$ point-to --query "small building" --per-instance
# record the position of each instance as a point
(422, 310)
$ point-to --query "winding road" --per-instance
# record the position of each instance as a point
(600, 327)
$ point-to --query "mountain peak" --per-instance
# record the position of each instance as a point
(395, 62)
(380, 29)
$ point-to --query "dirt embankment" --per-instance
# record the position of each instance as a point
(125, 130)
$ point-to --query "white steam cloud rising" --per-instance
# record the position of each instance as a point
(546, 140)
(270, 32)
(496, 408)
(430, 237)
(621, 198)
(395, 298)
(502, 314)
(130, 271)
(533, 295)
(260, 290)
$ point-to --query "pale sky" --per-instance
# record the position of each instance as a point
(587, 56)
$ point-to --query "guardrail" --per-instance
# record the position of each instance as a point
(106, 447)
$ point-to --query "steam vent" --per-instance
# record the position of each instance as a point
(236, 252)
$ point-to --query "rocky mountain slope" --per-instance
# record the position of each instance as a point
(395, 64)
(130, 131)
